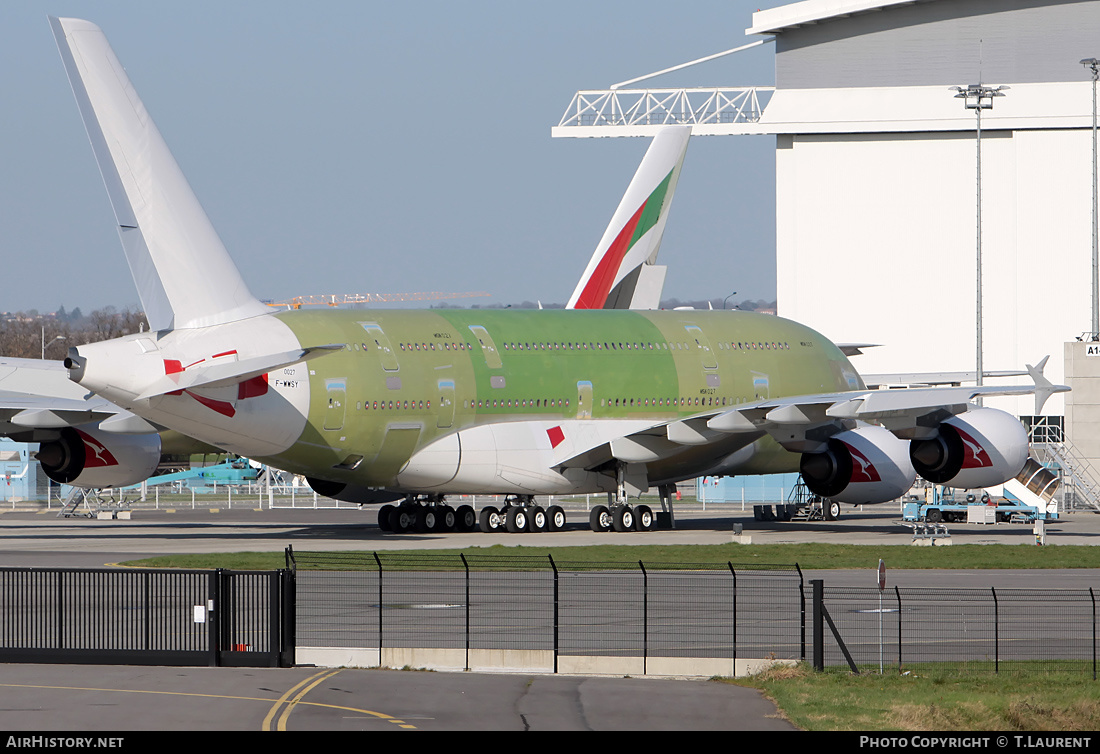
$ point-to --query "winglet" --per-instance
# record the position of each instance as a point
(1043, 387)
(621, 273)
(182, 271)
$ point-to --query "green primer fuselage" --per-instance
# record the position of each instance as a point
(432, 373)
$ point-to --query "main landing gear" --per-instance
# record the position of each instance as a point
(618, 514)
(430, 514)
(426, 514)
(521, 514)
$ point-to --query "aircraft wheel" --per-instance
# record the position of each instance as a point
(490, 520)
(444, 519)
(516, 520)
(624, 518)
(644, 519)
(465, 518)
(425, 520)
(402, 518)
(555, 518)
(536, 520)
(384, 517)
(832, 510)
(599, 519)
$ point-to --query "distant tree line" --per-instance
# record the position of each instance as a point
(748, 305)
(22, 334)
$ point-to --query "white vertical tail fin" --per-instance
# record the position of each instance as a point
(182, 271)
(622, 273)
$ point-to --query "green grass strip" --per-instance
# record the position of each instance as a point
(809, 556)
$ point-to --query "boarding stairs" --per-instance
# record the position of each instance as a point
(1051, 451)
(93, 503)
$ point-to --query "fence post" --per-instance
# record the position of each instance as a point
(645, 617)
(288, 652)
(996, 632)
(557, 610)
(214, 635)
(818, 588)
(466, 565)
(379, 562)
(897, 593)
(801, 613)
(733, 573)
(1092, 597)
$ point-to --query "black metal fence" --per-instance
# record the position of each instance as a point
(146, 617)
(378, 600)
(967, 630)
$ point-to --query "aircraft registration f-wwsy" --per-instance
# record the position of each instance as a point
(376, 406)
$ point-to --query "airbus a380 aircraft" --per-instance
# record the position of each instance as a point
(380, 405)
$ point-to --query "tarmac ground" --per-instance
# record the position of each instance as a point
(122, 698)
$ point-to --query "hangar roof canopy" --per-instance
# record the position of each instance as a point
(776, 20)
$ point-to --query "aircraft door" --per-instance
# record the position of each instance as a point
(446, 416)
(584, 399)
(701, 340)
(488, 347)
(337, 396)
(381, 343)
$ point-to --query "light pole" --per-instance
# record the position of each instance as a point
(44, 343)
(1094, 65)
(977, 97)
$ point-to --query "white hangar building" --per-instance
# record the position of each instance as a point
(876, 181)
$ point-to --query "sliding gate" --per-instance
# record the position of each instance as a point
(147, 617)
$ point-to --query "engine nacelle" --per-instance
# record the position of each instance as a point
(352, 493)
(89, 457)
(863, 465)
(981, 448)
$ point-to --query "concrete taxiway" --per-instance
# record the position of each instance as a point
(43, 539)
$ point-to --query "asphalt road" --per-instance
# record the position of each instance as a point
(121, 698)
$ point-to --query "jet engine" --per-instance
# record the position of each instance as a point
(90, 457)
(981, 448)
(863, 465)
(352, 493)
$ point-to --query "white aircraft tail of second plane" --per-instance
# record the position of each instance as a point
(183, 272)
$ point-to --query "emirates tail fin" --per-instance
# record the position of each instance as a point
(623, 273)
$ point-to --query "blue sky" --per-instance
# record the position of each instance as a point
(360, 147)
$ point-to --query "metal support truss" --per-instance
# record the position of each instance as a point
(641, 112)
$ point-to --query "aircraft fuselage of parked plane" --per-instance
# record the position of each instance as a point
(491, 400)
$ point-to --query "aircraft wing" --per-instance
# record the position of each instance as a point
(917, 379)
(804, 423)
(38, 395)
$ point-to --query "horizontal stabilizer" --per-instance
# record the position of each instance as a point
(234, 372)
(182, 271)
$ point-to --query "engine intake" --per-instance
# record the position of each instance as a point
(90, 457)
(863, 465)
(981, 448)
